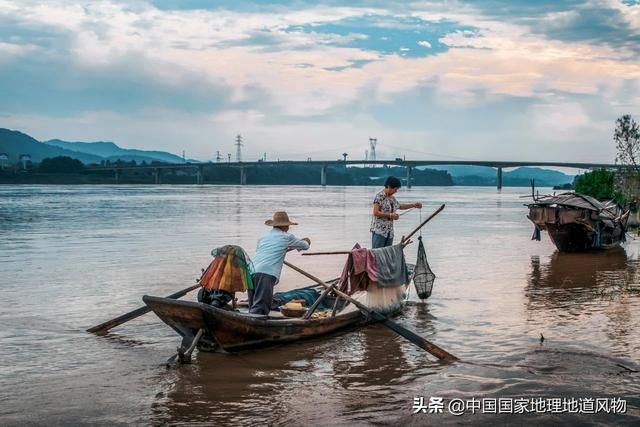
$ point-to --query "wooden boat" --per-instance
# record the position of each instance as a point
(233, 330)
(576, 222)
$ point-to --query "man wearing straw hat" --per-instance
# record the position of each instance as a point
(268, 261)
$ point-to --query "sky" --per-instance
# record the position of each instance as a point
(453, 80)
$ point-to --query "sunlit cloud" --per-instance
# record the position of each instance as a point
(275, 69)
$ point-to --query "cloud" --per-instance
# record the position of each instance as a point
(606, 22)
(410, 72)
(128, 85)
(8, 50)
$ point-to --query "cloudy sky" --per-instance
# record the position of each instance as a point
(488, 80)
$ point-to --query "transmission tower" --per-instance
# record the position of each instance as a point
(372, 153)
(239, 145)
(218, 157)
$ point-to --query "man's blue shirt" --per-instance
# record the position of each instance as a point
(271, 250)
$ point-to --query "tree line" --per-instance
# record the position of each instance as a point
(622, 186)
(278, 174)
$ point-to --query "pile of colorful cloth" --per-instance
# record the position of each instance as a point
(376, 277)
(382, 267)
(229, 271)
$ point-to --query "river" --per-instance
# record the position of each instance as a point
(74, 256)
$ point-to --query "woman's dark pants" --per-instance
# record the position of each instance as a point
(380, 241)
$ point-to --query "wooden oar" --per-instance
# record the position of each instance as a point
(402, 331)
(102, 328)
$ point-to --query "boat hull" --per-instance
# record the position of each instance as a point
(576, 230)
(229, 331)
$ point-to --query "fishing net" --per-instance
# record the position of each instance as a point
(423, 277)
(229, 270)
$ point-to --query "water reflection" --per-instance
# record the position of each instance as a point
(424, 320)
(213, 390)
(379, 363)
(294, 384)
(594, 291)
(577, 278)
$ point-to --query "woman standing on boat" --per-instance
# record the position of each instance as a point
(267, 264)
(385, 206)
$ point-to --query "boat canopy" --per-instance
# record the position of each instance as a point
(606, 209)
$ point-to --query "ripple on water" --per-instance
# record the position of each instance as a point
(75, 256)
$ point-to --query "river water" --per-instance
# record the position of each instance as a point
(74, 256)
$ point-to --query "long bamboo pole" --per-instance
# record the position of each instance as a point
(406, 238)
(404, 212)
(326, 253)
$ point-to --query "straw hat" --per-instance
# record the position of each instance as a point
(280, 219)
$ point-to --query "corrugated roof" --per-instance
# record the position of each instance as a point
(606, 209)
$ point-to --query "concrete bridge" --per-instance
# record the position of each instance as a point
(499, 165)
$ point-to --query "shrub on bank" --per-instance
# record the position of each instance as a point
(599, 184)
(61, 164)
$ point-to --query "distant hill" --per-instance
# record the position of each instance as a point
(15, 143)
(461, 170)
(543, 177)
(110, 151)
(481, 175)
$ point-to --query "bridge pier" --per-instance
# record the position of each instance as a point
(499, 178)
(409, 176)
(199, 176)
(116, 173)
(157, 176)
(323, 175)
(243, 176)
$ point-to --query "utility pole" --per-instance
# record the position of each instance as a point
(229, 156)
(184, 159)
(239, 145)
